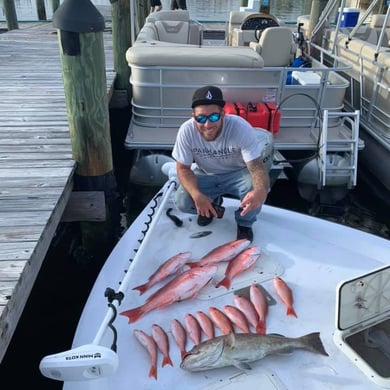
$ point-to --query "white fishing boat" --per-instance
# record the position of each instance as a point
(361, 37)
(312, 135)
(339, 278)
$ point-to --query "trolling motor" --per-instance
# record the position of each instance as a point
(93, 361)
(90, 361)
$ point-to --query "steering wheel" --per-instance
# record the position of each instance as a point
(258, 30)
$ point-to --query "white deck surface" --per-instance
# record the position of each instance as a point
(310, 254)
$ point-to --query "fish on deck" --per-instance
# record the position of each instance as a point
(221, 253)
(242, 348)
(169, 267)
(186, 285)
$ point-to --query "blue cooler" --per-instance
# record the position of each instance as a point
(350, 17)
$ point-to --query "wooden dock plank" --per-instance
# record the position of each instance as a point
(36, 170)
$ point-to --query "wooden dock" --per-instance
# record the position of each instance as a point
(36, 169)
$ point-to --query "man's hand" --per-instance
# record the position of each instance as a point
(203, 206)
(252, 200)
(188, 180)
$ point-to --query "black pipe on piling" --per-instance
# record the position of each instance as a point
(41, 10)
(10, 15)
(80, 32)
(55, 4)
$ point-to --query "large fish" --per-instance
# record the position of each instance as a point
(224, 252)
(243, 261)
(184, 286)
(169, 267)
(242, 348)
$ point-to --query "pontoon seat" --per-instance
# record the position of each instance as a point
(172, 31)
(235, 20)
(163, 31)
(376, 23)
(367, 64)
(182, 15)
(252, 23)
(276, 46)
(369, 33)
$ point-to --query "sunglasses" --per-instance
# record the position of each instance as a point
(202, 119)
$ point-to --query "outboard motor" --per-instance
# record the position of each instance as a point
(146, 169)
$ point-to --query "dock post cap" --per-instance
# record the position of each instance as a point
(79, 16)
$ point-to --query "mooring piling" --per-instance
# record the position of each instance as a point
(10, 14)
(80, 32)
(121, 39)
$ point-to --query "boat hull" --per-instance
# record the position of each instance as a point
(312, 255)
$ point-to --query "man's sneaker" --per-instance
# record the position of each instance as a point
(244, 232)
(204, 221)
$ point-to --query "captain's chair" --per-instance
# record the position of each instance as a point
(275, 45)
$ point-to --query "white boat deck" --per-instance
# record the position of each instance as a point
(313, 256)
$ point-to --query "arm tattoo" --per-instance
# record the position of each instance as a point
(260, 178)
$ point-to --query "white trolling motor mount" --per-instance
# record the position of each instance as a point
(89, 361)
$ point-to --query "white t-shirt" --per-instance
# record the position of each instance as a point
(237, 144)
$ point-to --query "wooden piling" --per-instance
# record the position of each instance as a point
(41, 10)
(10, 14)
(80, 33)
(55, 5)
(121, 37)
(143, 11)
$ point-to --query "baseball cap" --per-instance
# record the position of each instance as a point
(207, 95)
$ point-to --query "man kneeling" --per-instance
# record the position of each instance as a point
(228, 157)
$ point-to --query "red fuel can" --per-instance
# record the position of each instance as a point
(273, 117)
(241, 110)
(257, 115)
(230, 108)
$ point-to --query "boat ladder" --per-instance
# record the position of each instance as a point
(348, 146)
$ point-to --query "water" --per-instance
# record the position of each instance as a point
(206, 10)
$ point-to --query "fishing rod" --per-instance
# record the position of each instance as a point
(92, 361)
